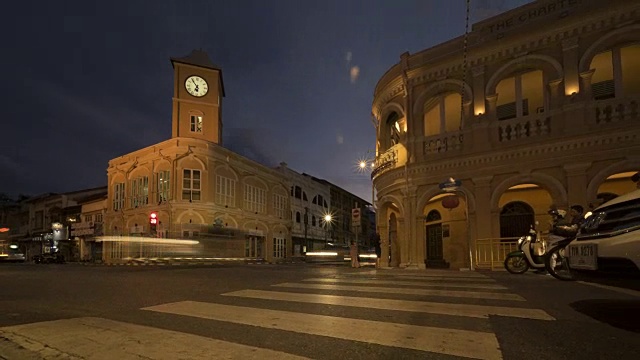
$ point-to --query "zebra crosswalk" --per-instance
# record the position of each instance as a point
(419, 294)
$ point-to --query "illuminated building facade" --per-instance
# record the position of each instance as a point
(541, 107)
(230, 205)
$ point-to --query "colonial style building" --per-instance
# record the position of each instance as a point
(346, 226)
(536, 106)
(225, 203)
(310, 204)
(41, 224)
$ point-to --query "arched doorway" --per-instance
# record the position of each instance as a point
(433, 241)
(394, 248)
(516, 218)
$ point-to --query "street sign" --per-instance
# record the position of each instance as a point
(355, 216)
(450, 184)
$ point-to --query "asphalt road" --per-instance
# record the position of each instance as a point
(293, 311)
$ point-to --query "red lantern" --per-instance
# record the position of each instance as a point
(450, 202)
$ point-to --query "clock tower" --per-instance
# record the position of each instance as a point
(197, 98)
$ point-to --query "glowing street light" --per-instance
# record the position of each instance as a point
(327, 222)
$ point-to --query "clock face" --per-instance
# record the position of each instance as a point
(196, 86)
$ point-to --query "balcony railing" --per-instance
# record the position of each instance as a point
(386, 161)
(442, 143)
(616, 110)
(524, 127)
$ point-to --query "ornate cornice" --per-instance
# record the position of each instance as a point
(424, 70)
(499, 158)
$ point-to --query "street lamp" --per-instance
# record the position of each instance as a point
(327, 221)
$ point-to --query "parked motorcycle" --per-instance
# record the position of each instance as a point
(530, 254)
(561, 235)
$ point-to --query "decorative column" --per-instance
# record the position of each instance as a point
(383, 230)
(577, 183)
(420, 237)
(479, 106)
(585, 82)
(399, 246)
(482, 192)
(556, 97)
(411, 248)
(570, 58)
(407, 100)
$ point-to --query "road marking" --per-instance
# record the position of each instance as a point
(473, 344)
(408, 282)
(425, 273)
(475, 311)
(613, 288)
(98, 338)
(375, 289)
(421, 278)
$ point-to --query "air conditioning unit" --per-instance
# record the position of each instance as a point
(540, 110)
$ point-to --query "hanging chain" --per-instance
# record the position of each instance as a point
(464, 64)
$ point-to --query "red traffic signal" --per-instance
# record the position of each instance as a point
(153, 218)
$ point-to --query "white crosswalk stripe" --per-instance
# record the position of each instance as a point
(408, 291)
(472, 344)
(98, 338)
(477, 311)
(420, 295)
(407, 283)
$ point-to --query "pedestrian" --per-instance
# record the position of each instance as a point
(378, 250)
(353, 253)
(577, 215)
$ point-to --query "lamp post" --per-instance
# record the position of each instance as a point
(452, 185)
(327, 223)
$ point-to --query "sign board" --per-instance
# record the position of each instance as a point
(450, 185)
(355, 216)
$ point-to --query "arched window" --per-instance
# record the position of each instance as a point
(619, 60)
(394, 128)
(516, 218)
(442, 114)
(520, 95)
(432, 216)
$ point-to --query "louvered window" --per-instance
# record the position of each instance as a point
(509, 111)
(604, 90)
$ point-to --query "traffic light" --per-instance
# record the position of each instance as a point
(153, 222)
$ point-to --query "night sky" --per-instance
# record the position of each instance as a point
(84, 83)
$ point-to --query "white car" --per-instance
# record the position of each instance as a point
(608, 244)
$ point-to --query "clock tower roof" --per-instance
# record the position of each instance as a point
(201, 59)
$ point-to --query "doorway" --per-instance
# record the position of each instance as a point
(433, 241)
(253, 247)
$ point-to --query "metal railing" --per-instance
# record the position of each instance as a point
(491, 252)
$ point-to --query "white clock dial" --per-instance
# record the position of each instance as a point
(196, 86)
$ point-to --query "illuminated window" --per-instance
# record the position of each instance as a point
(139, 191)
(191, 185)
(162, 185)
(279, 248)
(196, 123)
(394, 128)
(225, 191)
(255, 199)
(520, 95)
(118, 196)
(280, 205)
(442, 114)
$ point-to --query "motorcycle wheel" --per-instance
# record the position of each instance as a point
(557, 265)
(516, 264)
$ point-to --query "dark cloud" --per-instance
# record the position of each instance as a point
(88, 81)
